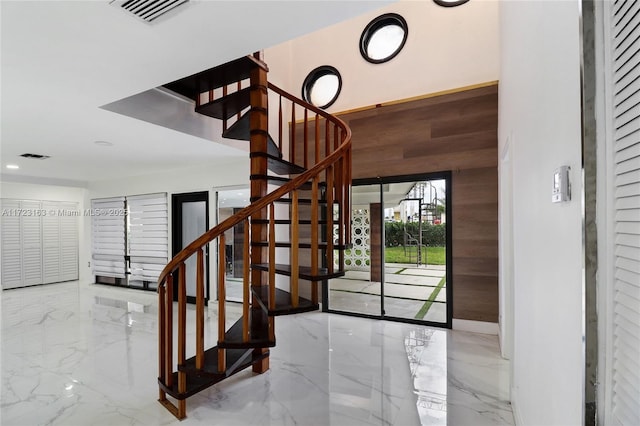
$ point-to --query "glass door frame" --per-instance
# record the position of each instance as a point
(447, 177)
(216, 191)
(176, 236)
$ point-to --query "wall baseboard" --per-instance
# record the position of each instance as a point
(476, 326)
(517, 418)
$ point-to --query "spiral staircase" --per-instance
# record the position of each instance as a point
(301, 196)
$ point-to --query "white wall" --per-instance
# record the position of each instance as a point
(540, 113)
(32, 191)
(446, 48)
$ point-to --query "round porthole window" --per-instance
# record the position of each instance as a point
(450, 3)
(322, 86)
(383, 38)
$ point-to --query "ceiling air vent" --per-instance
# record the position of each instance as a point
(148, 10)
(35, 156)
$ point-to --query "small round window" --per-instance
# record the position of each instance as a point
(322, 86)
(450, 3)
(383, 38)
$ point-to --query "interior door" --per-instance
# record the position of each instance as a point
(190, 219)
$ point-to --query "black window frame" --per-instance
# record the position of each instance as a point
(450, 3)
(375, 25)
(312, 78)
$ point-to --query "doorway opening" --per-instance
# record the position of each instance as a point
(190, 219)
(399, 265)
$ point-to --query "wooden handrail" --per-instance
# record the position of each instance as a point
(263, 202)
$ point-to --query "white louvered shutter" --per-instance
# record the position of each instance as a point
(68, 243)
(31, 243)
(50, 243)
(11, 244)
(625, 363)
(108, 237)
(148, 236)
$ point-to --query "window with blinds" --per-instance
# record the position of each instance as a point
(624, 386)
(108, 237)
(148, 236)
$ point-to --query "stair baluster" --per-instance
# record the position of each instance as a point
(200, 308)
(222, 297)
(306, 140)
(329, 236)
(317, 139)
(246, 262)
(294, 250)
(280, 123)
(314, 237)
(272, 256)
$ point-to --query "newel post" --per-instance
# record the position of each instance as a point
(258, 149)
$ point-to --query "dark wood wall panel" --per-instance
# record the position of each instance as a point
(456, 132)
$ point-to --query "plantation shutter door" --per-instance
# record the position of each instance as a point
(68, 243)
(625, 399)
(50, 243)
(148, 236)
(108, 237)
(11, 245)
(31, 243)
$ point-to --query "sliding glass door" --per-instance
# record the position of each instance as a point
(360, 289)
(399, 264)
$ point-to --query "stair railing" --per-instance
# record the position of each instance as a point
(332, 168)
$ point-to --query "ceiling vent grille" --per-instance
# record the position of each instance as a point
(148, 10)
(35, 156)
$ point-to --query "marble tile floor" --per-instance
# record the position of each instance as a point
(82, 354)
(406, 291)
(369, 304)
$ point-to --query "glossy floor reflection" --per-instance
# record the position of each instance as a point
(78, 354)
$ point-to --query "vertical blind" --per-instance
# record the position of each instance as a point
(108, 237)
(148, 235)
(625, 363)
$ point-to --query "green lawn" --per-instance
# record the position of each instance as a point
(433, 255)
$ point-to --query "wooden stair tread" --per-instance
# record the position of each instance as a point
(304, 272)
(279, 180)
(259, 333)
(241, 130)
(230, 72)
(283, 305)
(198, 380)
(227, 106)
(279, 165)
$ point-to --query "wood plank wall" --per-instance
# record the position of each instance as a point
(456, 132)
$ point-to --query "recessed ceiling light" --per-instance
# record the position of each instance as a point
(12, 166)
(103, 143)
